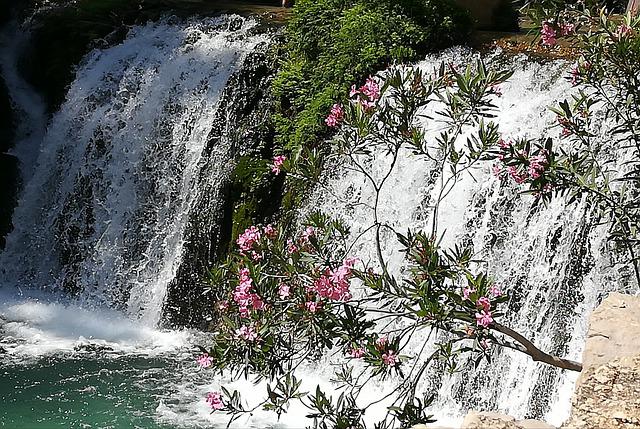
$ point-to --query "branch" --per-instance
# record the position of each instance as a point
(536, 354)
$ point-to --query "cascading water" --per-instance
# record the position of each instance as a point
(118, 174)
(122, 173)
(553, 260)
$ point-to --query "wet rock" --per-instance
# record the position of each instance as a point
(92, 348)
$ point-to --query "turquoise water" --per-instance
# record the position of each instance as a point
(89, 392)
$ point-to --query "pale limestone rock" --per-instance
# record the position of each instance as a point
(487, 420)
(608, 396)
(614, 330)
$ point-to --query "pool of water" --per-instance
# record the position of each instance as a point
(87, 390)
(66, 365)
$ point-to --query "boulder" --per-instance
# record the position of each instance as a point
(608, 396)
(614, 330)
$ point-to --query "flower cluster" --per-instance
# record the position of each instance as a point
(278, 161)
(247, 333)
(243, 295)
(335, 116)
(249, 238)
(204, 360)
(334, 284)
(548, 34)
(483, 303)
(533, 166)
(214, 400)
(367, 95)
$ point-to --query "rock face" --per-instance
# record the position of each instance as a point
(485, 420)
(608, 396)
(614, 330)
(608, 391)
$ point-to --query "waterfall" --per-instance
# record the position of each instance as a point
(551, 259)
(121, 165)
(128, 180)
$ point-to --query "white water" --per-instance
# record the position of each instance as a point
(552, 260)
(117, 174)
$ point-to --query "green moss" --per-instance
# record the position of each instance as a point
(255, 194)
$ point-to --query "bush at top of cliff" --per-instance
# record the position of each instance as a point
(332, 44)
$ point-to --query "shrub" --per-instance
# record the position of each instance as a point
(334, 43)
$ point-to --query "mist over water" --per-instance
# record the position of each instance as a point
(100, 226)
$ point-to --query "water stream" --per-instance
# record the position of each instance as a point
(100, 234)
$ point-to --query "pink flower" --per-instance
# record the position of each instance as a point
(214, 400)
(244, 311)
(390, 358)
(248, 238)
(291, 247)
(247, 333)
(497, 170)
(566, 29)
(548, 34)
(277, 163)
(350, 262)
(357, 352)
(485, 343)
(484, 303)
(335, 116)
(504, 144)
(371, 89)
(495, 89)
(381, 342)
(256, 301)
(204, 361)
(466, 292)
(284, 291)
(308, 233)
(495, 291)
(368, 94)
(484, 318)
(537, 165)
(515, 175)
(311, 306)
(269, 231)
(223, 305)
(255, 256)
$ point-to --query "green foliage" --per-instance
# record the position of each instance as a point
(284, 300)
(332, 44)
(254, 194)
